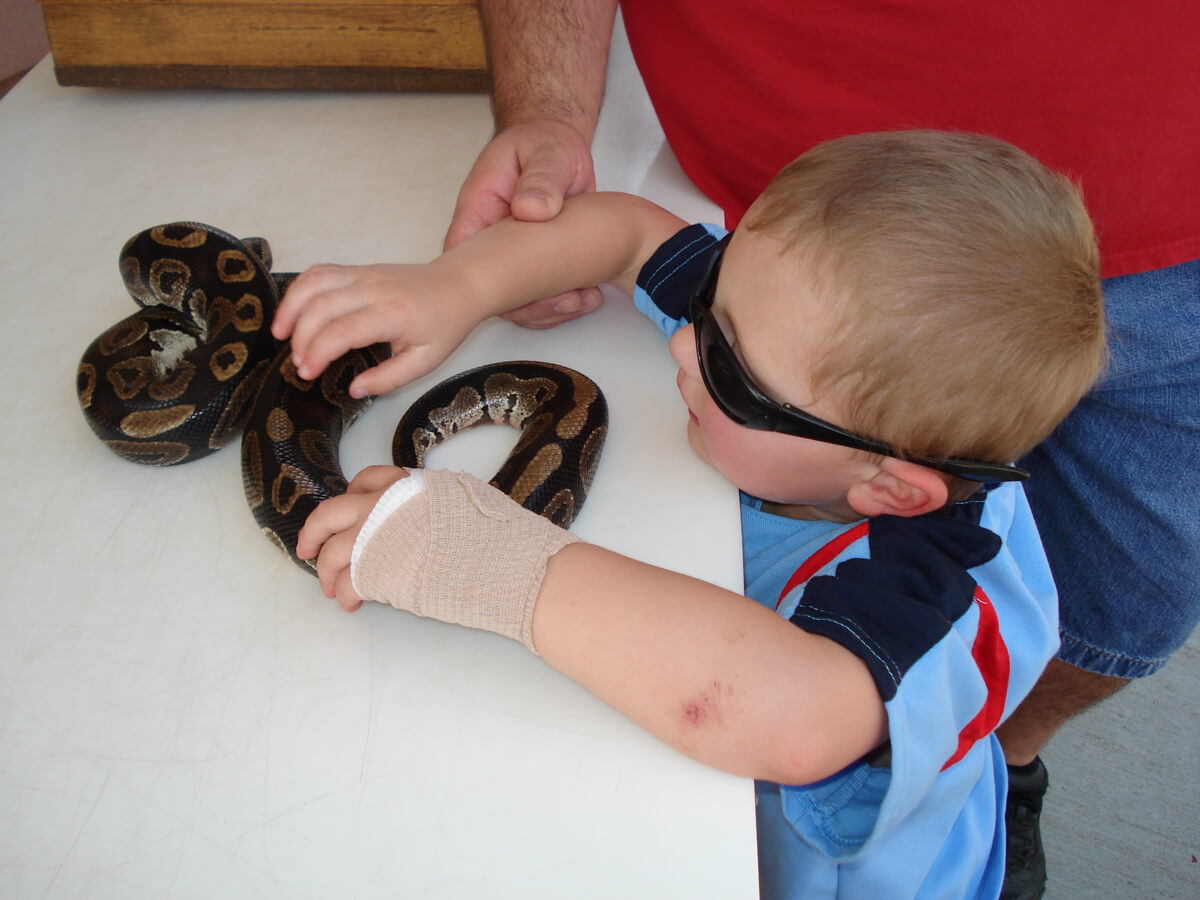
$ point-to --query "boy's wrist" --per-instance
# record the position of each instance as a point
(418, 559)
(388, 503)
(486, 273)
(471, 292)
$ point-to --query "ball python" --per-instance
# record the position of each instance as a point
(196, 365)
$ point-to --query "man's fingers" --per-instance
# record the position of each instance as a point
(535, 204)
(474, 212)
(547, 177)
(558, 309)
(483, 199)
(527, 172)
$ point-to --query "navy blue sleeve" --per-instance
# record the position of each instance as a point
(666, 281)
(889, 609)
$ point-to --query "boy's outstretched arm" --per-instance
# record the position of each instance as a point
(708, 671)
(425, 311)
(713, 674)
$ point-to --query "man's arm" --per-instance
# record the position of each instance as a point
(548, 60)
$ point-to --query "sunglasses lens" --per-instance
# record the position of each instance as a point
(719, 368)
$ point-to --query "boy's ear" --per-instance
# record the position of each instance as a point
(899, 488)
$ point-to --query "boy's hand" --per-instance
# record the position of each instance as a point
(332, 528)
(527, 171)
(423, 311)
(452, 548)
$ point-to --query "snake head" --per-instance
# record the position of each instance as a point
(193, 268)
(174, 380)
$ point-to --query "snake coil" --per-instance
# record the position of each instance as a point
(196, 365)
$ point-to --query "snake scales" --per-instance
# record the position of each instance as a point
(197, 365)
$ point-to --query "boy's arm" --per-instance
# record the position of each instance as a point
(712, 673)
(424, 312)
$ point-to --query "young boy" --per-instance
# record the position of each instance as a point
(897, 317)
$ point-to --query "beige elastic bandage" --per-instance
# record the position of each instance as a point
(457, 550)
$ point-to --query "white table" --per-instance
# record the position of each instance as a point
(182, 713)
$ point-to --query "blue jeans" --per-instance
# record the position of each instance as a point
(1116, 488)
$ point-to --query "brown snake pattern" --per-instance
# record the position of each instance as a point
(196, 366)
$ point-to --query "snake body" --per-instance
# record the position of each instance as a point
(174, 381)
(196, 366)
(563, 419)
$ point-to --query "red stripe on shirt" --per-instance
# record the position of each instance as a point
(991, 656)
(822, 558)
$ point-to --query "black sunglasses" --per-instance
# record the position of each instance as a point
(736, 394)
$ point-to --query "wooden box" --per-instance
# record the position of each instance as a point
(410, 45)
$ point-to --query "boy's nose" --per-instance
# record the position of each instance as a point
(683, 350)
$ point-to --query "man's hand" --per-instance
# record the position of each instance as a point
(527, 171)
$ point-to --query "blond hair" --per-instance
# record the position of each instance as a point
(962, 278)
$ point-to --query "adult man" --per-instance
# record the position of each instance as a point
(1111, 100)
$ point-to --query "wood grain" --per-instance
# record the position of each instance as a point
(364, 44)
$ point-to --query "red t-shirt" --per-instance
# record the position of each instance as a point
(1108, 94)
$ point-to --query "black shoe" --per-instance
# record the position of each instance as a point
(1025, 868)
